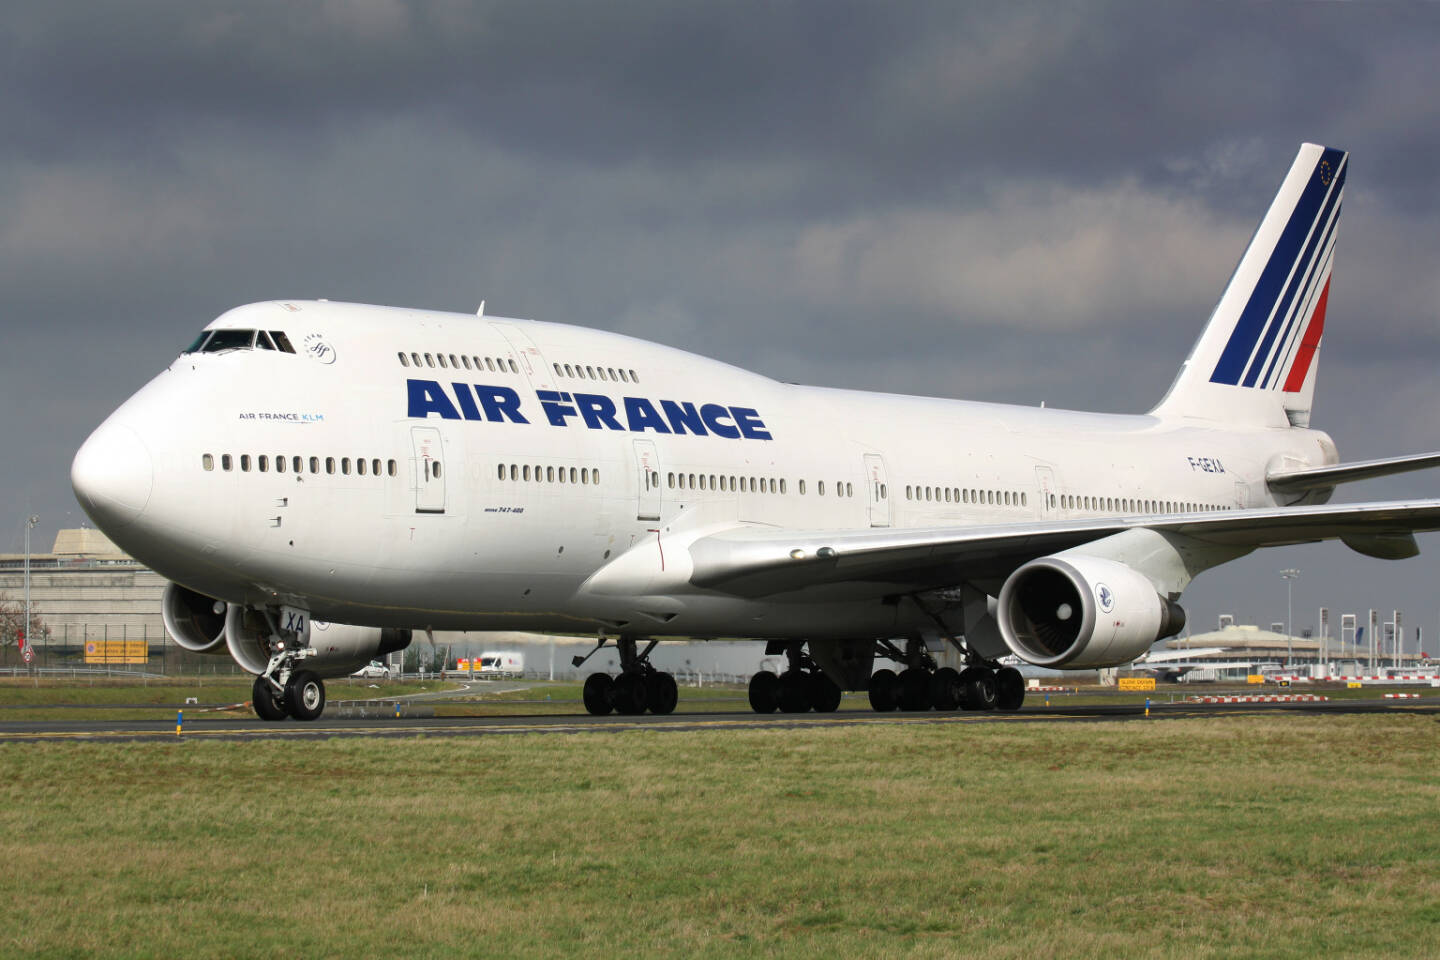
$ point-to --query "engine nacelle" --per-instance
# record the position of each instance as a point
(193, 620)
(340, 648)
(1078, 612)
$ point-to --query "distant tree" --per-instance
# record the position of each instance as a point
(12, 620)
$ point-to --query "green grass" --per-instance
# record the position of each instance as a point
(1277, 836)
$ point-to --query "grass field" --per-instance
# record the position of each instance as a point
(1285, 836)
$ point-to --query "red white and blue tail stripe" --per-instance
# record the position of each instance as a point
(1256, 360)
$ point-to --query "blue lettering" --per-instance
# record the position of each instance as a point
(683, 417)
(712, 413)
(500, 403)
(598, 411)
(427, 397)
(750, 423)
(555, 406)
(643, 416)
(467, 401)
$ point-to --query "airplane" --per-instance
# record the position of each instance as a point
(323, 481)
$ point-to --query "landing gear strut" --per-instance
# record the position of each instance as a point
(638, 688)
(802, 687)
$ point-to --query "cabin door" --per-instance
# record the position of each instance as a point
(647, 470)
(428, 469)
(877, 490)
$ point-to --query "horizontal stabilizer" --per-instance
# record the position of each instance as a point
(1314, 478)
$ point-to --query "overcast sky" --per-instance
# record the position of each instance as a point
(1005, 202)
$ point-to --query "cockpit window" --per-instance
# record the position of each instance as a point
(282, 342)
(222, 340)
(262, 341)
(199, 342)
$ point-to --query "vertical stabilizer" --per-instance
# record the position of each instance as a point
(1255, 362)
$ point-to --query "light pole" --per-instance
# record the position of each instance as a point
(29, 525)
(1289, 576)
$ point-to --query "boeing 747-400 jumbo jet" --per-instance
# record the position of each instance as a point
(321, 480)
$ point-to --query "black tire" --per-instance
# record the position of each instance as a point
(914, 689)
(824, 693)
(627, 694)
(305, 695)
(661, 693)
(979, 689)
(1009, 689)
(596, 694)
(764, 692)
(884, 691)
(945, 688)
(794, 692)
(267, 705)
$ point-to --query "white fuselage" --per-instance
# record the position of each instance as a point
(477, 521)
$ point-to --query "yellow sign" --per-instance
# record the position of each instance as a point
(117, 651)
(1254, 678)
(1137, 683)
(1354, 684)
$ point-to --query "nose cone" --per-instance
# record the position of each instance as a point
(112, 476)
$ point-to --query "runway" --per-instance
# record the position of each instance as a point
(392, 727)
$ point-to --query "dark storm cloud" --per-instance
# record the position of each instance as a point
(993, 201)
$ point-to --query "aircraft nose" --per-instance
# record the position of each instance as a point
(112, 476)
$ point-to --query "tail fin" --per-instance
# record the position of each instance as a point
(1255, 361)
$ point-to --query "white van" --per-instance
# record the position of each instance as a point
(500, 664)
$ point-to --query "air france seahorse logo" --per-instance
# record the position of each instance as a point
(1105, 596)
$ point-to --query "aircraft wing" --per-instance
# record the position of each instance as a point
(763, 561)
(1310, 478)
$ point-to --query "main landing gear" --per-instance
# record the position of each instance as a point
(638, 688)
(980, 686)
(801, 688)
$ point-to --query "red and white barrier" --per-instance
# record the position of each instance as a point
(1402, 696)
(1275, 698)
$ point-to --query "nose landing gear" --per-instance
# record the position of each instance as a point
(286, 689)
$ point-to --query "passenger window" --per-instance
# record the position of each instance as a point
(453, 362)
(208, 462)
(441, 358)
(569, 371)
(435, 469)
(279, 464)
(345, 466)
(489, 364)
(245, 462)
(429, 360)
(549, 474)
(375, 466)
(612, 373)
(782, 484)
(623, 378)
(501, 474)
(670, 480)
(513, 368)
(600, 373)
(574, 474)
(585, 475)
(525, 471)
(225, 462)
(416, 358)
(330, 465)
(590, 372)
(404, 362)
(557, 369)
(772, 484)
(634, 377)
(360, 466)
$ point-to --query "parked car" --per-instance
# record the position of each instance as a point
(374, 670)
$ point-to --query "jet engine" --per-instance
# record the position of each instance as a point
(193, 620)
(340, 648)
(1078, 612)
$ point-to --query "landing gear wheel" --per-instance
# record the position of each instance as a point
(979, 688)
(764, 692)
(945, 688)
(884, 691)
(824, 693)
(794, 692)
(661, 693)
(627, 694)
(305, 695)
(263, 699)
(596, 694)
(914, 689)
(1009, 689)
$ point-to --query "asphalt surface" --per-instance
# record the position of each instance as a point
(389, 726)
